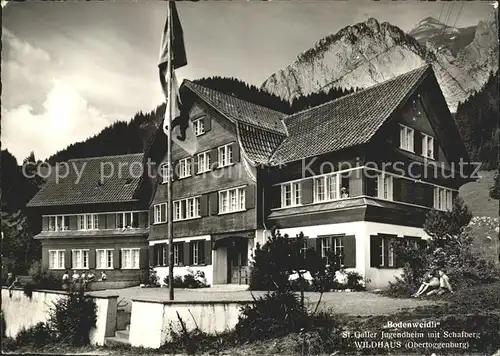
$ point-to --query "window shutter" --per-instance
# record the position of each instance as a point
(371, 186)
(420, 197)
(45, 223)
(175, 170)
(236, 152)
(92, 258)
(151, 255)
(318, 246)
(194, 165)
(204, 205)
(187, 253)
(207, 250)
(396, 185)
(143, 258)
(418, 143)
(307, 191)
(375, 251)
(68, 263)
(117, 257)
(110, 221)
(207, 123)
(151, 215)
(275, 196)
(214, 203)
(250, 196)
(349, 251)
(436, 149)
(214, 160)
(72, 222)
(311, 243)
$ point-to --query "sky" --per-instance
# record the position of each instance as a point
(69, 69)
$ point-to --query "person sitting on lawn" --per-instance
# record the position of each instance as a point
(430, 282)
(103, 277)
(444, 284)
(15, 284)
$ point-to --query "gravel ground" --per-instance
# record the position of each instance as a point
(353, 303)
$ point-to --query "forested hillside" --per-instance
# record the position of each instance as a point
(477, 120)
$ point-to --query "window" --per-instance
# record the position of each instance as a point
(160, 211)
(326, 247)
(197, 252)
(427, 146)
(88, 222)
(204, 162)
(326, 188)
(104, 259)
(164, 173)
(127, 220)
(199, 127)
(130, 258)
(382, 248)
(160, 255)
(187, 209)
(58, 223)
(406, 138)
(184, 168)
(80, 259)
(232, 200)
(178, 257)
(56, 259)
(384, 186)
(390, 255)
(290, 194)
(443, 198)
(225, 155)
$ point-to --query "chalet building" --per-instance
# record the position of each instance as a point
(95, 216)
(352, 174)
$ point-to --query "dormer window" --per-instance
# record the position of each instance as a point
(427, 146)
(406, 138)
(199, 127)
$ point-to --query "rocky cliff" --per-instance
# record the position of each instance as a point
(371, 52)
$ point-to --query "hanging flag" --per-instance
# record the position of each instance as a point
(173, 56)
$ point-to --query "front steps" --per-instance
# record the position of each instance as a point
(121, 337)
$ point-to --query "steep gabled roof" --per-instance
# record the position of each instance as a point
(238, 110)
(348, 121)
(81, 183)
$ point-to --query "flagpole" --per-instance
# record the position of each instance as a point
(170, 215)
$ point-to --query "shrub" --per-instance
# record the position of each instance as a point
(8, 344)
(72, 317)
(193, 279)
(273, 315)
(37, 335)
(42, 278)
(355, 281)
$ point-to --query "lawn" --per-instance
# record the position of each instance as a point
(476, 195)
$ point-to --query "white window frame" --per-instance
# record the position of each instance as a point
(164, 173)
(205, 166)
(60, 256)
(199, 126)
(232, 200)
(326, 183)
(294, 190)
(135, 251)
(443, 198)
(80, 263)
(326, 248)
(108, 255)
(385, 189)
(427, 146)
(196, 252)
(57, 223)
(225, 155)
(124, 219)
(187, 209)
(185, 167)
(176, 254)
(90, 222)
(382, 247)
(406, 138)
(390, 255)
(157, 210)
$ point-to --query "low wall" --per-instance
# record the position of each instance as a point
(152, 320)
(21, 312)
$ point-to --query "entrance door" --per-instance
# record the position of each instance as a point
(237, 263)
